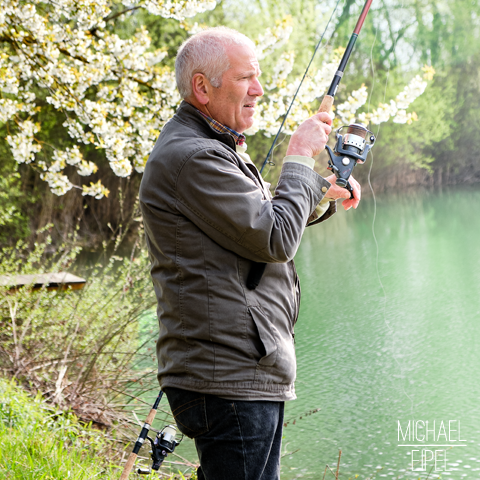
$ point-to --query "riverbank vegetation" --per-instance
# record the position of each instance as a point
(75, 347)
(40, 442)
(86, 359)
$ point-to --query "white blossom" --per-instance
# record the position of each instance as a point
(96, 190)
(22, 144)
(85, 169)
(59, 184)
(116, 93)
(71, 156)
(8, 108)
(121, 168)
(282, 69)
(403, 117)
(397, 109)
(346, 110)
(195, 28)
(273, 38)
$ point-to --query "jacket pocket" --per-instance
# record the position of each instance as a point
(268, 336)
(189, 411)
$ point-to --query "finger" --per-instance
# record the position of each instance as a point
(357, 189)
(324, 117)
(357, 192)
(347, 204)
(335, 192)
(332, 179)
(352, 202)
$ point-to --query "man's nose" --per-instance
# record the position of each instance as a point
(255, 89)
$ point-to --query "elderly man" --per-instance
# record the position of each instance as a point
(225, 352)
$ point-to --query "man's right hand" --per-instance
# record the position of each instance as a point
(335, 192)
(311, 136)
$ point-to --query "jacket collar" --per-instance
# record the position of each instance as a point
(189, 115)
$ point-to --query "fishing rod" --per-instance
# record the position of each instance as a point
(328, 99)
(163, 444)
(350, 149)
(353, 148)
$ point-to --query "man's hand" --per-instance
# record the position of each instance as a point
(311, 136)
(335, 192)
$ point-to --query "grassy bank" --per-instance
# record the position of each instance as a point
(38, 443)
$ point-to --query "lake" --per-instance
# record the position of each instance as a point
(388, 340)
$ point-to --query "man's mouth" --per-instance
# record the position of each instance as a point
(250, 105)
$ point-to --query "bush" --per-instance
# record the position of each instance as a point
(79, 348)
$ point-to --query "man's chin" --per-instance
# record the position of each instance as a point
(247, 124)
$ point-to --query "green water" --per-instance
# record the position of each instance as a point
(388, 340)
(369, 356)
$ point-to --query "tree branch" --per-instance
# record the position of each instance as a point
(114, 16)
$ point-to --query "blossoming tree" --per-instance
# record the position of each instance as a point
(116, 94)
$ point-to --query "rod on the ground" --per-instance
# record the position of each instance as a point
(141, 438)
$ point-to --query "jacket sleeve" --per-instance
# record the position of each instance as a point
(214, 193)
(318, 217)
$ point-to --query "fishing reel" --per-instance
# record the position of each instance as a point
(349, 150)
(163, 444)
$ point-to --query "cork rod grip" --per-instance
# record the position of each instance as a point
(128, 466)
(326, 105)
(151, 416)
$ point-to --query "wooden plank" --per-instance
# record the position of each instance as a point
(51, 281)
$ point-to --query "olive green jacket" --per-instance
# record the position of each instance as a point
(207, 219)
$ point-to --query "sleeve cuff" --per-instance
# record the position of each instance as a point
(307, 161)
(323, 206)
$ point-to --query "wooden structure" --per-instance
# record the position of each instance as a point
(50, 281)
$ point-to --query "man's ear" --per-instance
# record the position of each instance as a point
(201, 88)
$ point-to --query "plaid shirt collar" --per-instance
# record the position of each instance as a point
(220, 128)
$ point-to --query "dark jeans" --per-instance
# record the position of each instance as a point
(235, 440)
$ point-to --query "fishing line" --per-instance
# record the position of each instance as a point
(271, 163)
(298, 88)
(391, 330)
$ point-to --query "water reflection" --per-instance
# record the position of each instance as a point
(369, 356)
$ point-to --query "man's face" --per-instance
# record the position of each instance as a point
(233, 104)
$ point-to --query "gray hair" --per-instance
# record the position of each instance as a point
(205, 53)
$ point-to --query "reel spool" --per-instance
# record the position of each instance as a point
(349, 150)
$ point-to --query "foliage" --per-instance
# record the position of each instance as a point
(39, 442)
(14, 223)
(112, 92)
(76, 347)
(115, 92)
(395, 42)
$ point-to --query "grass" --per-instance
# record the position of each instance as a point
(38, 443)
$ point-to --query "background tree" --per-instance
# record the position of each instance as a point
(86, 89)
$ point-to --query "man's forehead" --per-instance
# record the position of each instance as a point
(243, 57)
